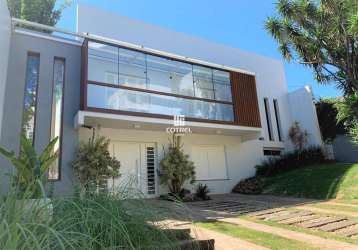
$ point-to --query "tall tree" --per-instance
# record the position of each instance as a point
(321, 34)
(39, 11)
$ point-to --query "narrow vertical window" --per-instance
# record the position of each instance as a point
(56, 117)
(268, 119)
(30, 96)
(278, 119)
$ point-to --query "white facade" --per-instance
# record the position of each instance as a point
(222, 156)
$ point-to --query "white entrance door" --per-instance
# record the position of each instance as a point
(138, 167)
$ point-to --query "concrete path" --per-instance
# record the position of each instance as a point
(225, 242)
(307, 238)
(222, 241)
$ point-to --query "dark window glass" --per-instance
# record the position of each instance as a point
(30, 97)
(268, 119)
(278, 119)
(56, 118)
(272, 152)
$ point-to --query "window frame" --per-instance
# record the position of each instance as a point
(271, 152)
(34, 54)
(278, 119)
(59, 159)
(268, 118)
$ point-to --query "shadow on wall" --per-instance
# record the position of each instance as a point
(345, 150)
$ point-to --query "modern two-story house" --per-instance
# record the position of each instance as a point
(129, 80)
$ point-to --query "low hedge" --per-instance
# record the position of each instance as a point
(291, 160)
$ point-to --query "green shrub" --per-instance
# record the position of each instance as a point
(31, 169)
(91, 221)
(252, 185)
(291, 160)
(327, 118)
(94, 165)
(348, 113)
(202, 192)
(176, 168)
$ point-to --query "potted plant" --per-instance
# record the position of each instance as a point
(30, 178)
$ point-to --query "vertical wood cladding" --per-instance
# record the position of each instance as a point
(246, 107)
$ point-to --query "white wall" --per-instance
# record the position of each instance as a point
(270, 77)
(270, 81)
(239, 155)
(303, 110)
(5, 35)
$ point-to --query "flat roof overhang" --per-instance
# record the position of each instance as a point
(117, 121)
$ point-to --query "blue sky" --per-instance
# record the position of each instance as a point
(237, 23)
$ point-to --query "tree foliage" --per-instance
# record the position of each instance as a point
(39, 11)
(297, 136)
(321, 34)
(31, 169)
(176, 168)
(94, 165)
(348, 113)
(327, 113)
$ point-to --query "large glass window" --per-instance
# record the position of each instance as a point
(222, 85)
(169, 76)
(132, 69)
(119, 66)
(30, 97)
(179, 87)
(203, 82)
(56, 117)
(137, 101)
(102, 63)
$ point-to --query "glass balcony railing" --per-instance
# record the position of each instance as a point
(111, 98)
(120, 79)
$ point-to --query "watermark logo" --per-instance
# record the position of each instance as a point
(179, 126)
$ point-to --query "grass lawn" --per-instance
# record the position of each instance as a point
(327, 181)
(336, 207)
(322, 234)
(259, 238)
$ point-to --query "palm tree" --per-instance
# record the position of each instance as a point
(321, 34)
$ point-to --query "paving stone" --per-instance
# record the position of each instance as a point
(299, 219)
(322, 222)
(212, 204)
(244, 208)
(251, 210)
(339, 225)
(268, 211)
(292, 215)
(217, 206)
(273, 215)
(350, 233)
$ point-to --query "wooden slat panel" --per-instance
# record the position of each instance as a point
(246, 107)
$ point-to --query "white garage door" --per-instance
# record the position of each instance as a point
(210, 162)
